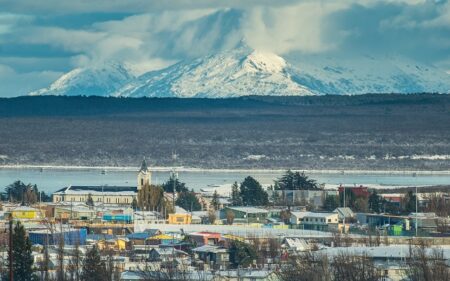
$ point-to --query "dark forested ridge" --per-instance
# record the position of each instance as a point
(323, 132)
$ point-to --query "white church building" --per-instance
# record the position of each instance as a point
(117, 195)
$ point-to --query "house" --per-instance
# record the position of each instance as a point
(314, 197)
(160, 275)
(296, 244)
(165, 254)
(24, 212)
(247, 214)
(358, 191)
(297, 217)
(119, 195)
(215, 256)
(205, 238)
(74, 212)
(346, 213)
(161, 239)
(138, 238)
(425, 221)
(315, 221)
(181, 216)
(248, 275)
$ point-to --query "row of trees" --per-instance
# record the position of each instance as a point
(26, 194)
(249, 193)
(374, 203)
(421, 265)
(91, 268)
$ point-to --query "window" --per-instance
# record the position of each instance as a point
(329, 220)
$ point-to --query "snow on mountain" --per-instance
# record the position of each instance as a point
(368, 74)
(243, 71)
(99, 80)
(234, 73)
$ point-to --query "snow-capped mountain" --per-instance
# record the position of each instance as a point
(98, 80)
(234, 73)
(243, 71)
(368, 74)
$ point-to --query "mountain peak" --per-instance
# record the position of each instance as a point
(264, 62)
(100, 79)
(237, 72)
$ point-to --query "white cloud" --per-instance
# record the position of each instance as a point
(157, 33)
(293, 28)
(14, 83)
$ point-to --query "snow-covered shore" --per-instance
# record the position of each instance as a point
(204, 170)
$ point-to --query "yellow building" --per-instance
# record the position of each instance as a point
(180, 218)
(24, 212)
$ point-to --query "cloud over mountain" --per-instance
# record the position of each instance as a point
(39, 41)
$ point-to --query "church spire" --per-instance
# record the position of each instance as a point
(144, 167)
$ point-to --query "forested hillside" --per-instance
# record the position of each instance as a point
(317, 132)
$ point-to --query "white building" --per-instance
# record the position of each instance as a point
(118, 195)
(315, 221)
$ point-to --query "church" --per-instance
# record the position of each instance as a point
(115, 195)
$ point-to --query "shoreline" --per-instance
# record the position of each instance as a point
(226, 170)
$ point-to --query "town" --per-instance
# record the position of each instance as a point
(295, 229)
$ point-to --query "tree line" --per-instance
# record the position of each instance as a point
(26, 194)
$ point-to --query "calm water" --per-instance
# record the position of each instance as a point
(49, 180)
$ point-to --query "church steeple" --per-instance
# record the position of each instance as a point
(144, 167)
(144, 175)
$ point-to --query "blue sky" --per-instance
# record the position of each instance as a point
(40, 40)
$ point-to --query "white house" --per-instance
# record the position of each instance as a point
(315, 221)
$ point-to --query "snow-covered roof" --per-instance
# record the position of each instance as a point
(210, 249)
(297, 243)
(384, 252)
(249, 210)
(24, 209)
(345, 212)
(312, 214)
(97, 190)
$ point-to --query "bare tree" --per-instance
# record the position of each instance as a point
(230, 217)
(306, 267)
(347, 267)
(212, 216)
(425, 264)
(75, 263)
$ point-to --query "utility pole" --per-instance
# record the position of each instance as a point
(416, 209)
(174, 177)
(10, 250)
(344, 210)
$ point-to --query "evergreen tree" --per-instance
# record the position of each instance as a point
(90, 201)
(242, 254)
(409, 202)
(134, 204)
(179, 186)
(93, 268)
(21, 252)
(20, 192)
(252, 193)
(295, 181)
(188, 201)
(236, 199)
(215, 202)
(375, 202)
(331, 203)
